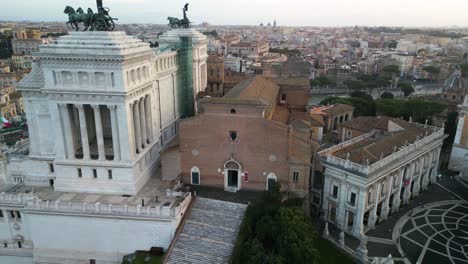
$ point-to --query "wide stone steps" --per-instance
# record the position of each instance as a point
(209, 218)
(209, 233)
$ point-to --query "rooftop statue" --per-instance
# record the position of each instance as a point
(100, 21)
(180, 23)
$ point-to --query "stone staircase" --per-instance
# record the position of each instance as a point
(209, 233)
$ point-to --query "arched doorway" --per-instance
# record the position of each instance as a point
(271, 179)
(232, 175)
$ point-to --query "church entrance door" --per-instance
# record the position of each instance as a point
(233, 178)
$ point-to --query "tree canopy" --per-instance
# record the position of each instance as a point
(272, 232)
(362, 106)
(287, 52)
(391, 69)
(367, 81)
(321, 81)
(419, 110)
(464, 68)
(432, 69)
(406, 88)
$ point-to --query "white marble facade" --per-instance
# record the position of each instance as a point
(459, 157)
(100, 106)
(357, 197)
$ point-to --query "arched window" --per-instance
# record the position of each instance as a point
(341, 119)
(271, 179)
(195, 176)
(346, 117)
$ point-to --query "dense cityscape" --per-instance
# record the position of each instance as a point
(198, 143)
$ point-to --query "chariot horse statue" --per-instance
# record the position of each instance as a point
(180, 23)
(100, 21)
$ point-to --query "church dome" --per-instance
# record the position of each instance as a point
(455, 82)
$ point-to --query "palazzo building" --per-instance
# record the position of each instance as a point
(372, 175)
(100, 108)
(459, 158)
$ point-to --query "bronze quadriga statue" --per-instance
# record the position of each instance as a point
(180, 23)
(100, 21)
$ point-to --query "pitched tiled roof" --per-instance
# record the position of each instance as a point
(257, 88)
(338, 109)
(281, 114)
(315, 120)
(233, 101)
(291, 81)
(368, 123)
(383, 145)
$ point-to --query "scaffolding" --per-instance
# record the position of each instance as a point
(186, 94)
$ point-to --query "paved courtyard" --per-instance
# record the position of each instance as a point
(435, 233)
(432, 228)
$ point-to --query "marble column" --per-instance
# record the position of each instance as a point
(115, 132)
(136, 119)
(144, 138)
(407, 194)
(427, 174)
(99, 133)
(341, 213)
(373, 214)
(360, 208)
(396, 198)
(149, 119)
(386, 202)
(84, 132)
(436, 156)
(418, 173)
(67, 132)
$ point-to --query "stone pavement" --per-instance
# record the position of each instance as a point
(435, 233)
(432, 228)
(209, 234)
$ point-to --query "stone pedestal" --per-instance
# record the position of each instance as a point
(342, 239)
(361, 250)
(326, 233)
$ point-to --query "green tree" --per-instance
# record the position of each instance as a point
(464, 68)
(419, 110)
(387, 95)
(355, 84)
(274, 233)
(432, 70)
(391, 70)
(406, 88)
(362, 106)
(321, 81)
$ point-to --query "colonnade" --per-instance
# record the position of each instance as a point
(70, 150)
(143, 129)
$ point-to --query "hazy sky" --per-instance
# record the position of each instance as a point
(252, 12)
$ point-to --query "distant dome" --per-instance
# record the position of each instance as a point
(455, 82)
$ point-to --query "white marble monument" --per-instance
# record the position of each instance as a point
(100, 107)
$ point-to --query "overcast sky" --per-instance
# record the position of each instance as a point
(252, 12)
